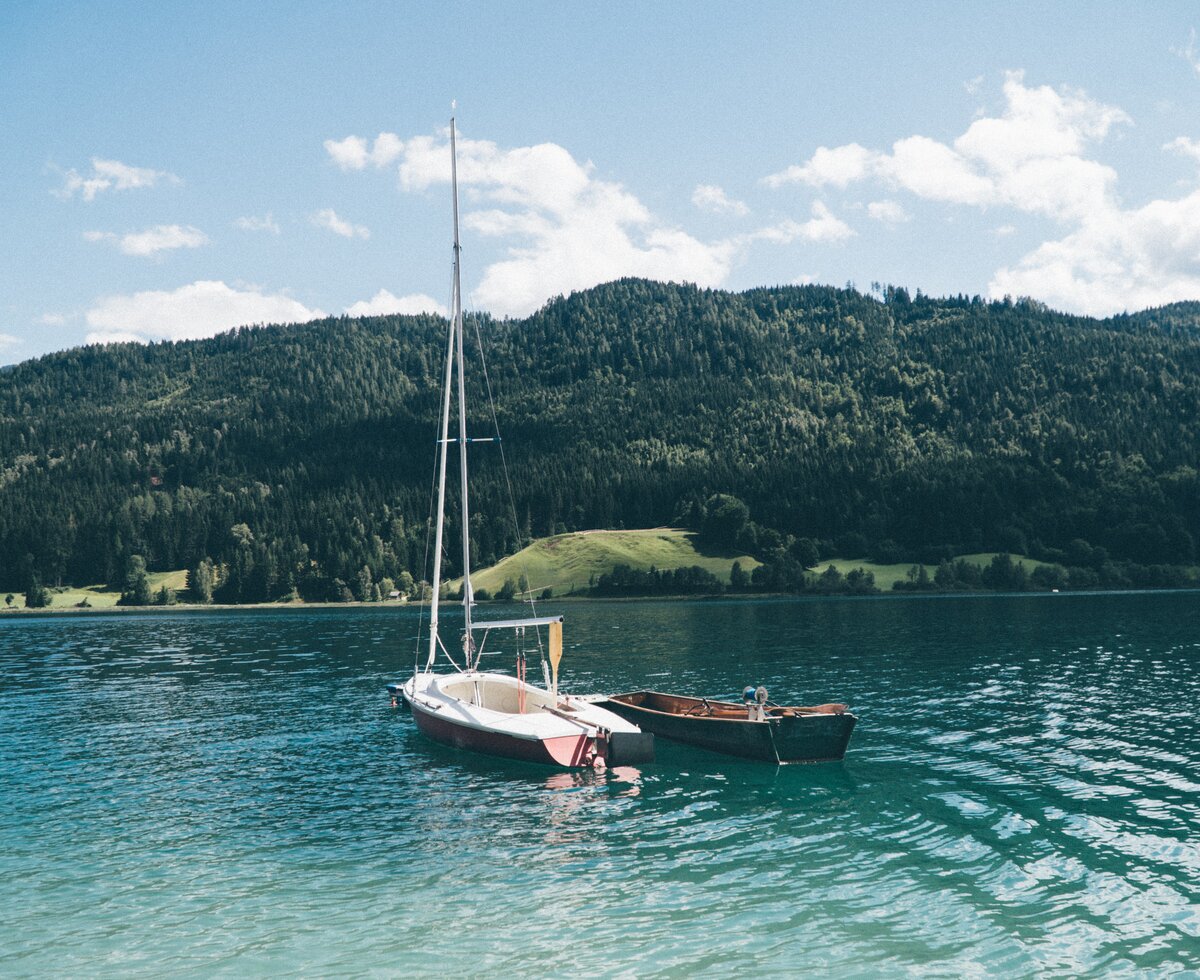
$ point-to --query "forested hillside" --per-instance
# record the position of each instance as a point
(902, 429)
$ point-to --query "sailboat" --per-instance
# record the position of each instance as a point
(489, 712)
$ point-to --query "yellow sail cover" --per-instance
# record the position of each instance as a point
(555, 651)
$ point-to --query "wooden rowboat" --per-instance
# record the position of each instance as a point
(784, 735)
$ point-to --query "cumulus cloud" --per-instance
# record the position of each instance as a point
(710, 197)
(255, 223)
(1036, 157)
(839, 166)
(1116, 260)
(565, 228)
(109, 175)
(150, 242)
(823, 226)
(327, 218)
(199, 309)
(52, 319)
(383, 303)
(7, 340)
(1185, 146)
(889, 212)
(353, 152)
(1029, 157)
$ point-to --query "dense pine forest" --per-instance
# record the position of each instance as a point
(287, 460)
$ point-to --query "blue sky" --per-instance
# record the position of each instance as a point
(172, 170)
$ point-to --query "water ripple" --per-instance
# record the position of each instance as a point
(230, 794)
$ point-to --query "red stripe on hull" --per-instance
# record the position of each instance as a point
(567, 751)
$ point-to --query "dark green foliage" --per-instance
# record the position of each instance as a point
(626, 581)
(1005, 575)
(738, 579)
(783, 575)
(507, 591)
(955, 576)
(1048, 577)
(805, 551)
(37, 596)
(407, 585)
(914, 428)
(724, 522)
(136, 591)
(201, 580)
(366, 585)
(917, 579)
(860, 582)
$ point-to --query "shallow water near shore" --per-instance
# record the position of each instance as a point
(231, 793)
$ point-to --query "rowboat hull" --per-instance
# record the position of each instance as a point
(788, 735)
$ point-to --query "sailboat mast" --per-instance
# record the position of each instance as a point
(443, 452)
(468, 597)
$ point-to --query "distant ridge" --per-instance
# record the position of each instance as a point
(898, 427)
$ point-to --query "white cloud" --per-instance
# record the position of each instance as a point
(199, 309)
(7, 340)
(110, 175)
(255, 223)
(1185, 146)
(1116, 260)
(161, 238)
(1029, 157)
(327, 218)
(52, 319)
(934, 171)
(824, 226)
(383, 303)
(352, 153)
(1035, 157)
(889, 212)
(710, 197)
(566, 229)
(839, 166)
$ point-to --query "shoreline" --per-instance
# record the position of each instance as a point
(188, 607)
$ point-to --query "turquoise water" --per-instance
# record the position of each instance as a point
(231, 793)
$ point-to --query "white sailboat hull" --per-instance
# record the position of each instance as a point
(483, 712)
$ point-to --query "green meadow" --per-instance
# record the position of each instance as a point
(567, 563)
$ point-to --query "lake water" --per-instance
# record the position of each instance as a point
(231, 793)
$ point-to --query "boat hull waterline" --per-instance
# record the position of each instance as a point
(786, 736)
(563, 731)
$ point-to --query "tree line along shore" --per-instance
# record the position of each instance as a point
(589, 570)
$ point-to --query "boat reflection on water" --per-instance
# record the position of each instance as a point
(573, 779)
(630, 776)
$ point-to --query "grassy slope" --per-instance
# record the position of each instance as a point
(103, 596)
(566, 562)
